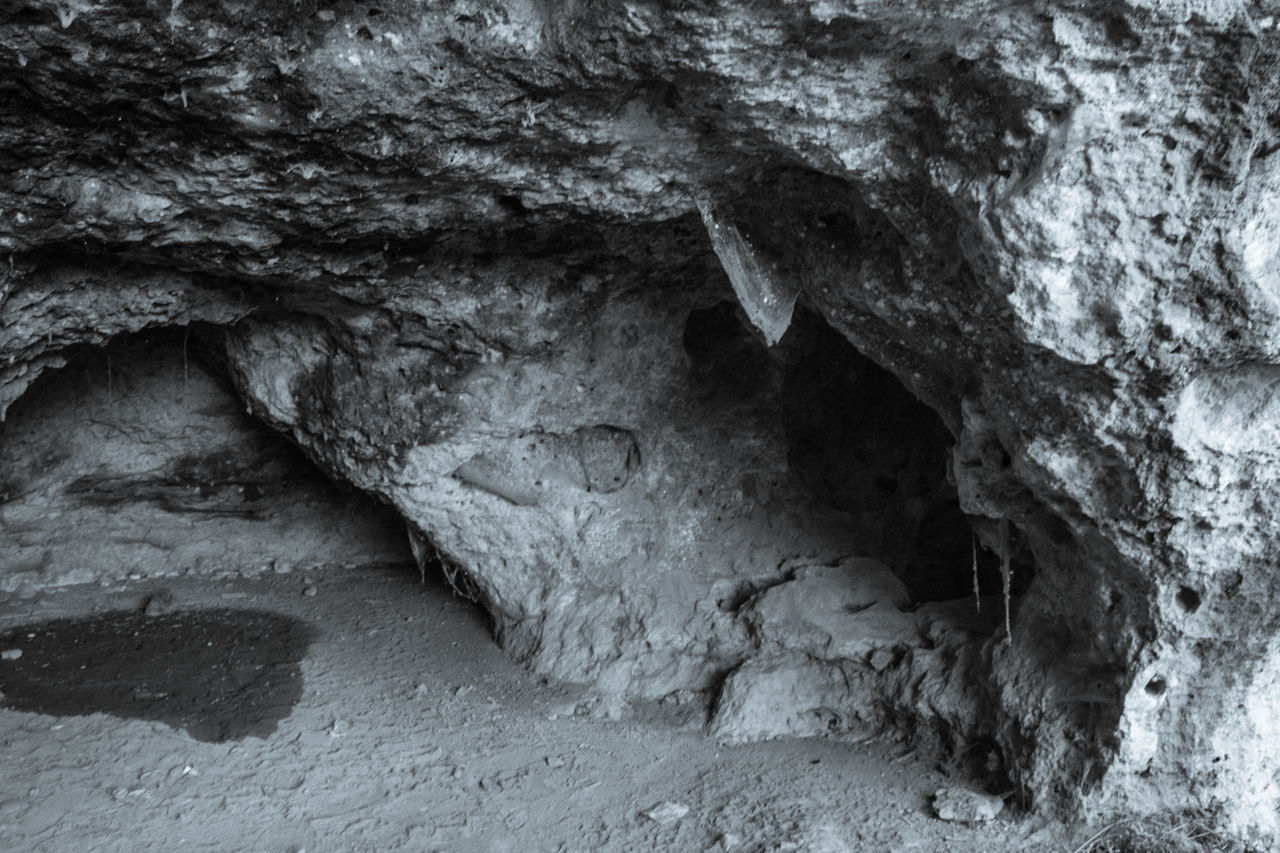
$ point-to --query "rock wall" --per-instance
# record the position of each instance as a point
(464, 254)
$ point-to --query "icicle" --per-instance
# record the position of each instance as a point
(767, 300)
(977, 598)
(425, 551)
(1006, 575)
(421, 548)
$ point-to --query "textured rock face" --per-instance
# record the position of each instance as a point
(472, 257)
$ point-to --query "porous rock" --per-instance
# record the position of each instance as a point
(436, 236)
(965, 806)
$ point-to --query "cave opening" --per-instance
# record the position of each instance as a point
(138, 462)
(137, 459)
(862, 444)
(134, 470)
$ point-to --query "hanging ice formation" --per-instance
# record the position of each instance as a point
(767, 300)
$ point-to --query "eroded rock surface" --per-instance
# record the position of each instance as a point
(460, 253)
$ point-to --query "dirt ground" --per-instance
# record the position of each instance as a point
(385, 718)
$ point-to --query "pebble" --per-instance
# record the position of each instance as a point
(965, 806)
(729, 841)
(159, 604)
(10, 654)
(667, 813)
(311, 590)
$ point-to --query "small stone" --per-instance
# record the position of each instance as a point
(159, 604)
(10, 654)
(965, 806)
(310, 590)
(667, 813)
(729, 841)
(882, 659)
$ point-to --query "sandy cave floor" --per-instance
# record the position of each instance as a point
(402, 727)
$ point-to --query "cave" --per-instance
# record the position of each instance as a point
(650, 400)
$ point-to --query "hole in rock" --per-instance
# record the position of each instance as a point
(220, 674)
(1156, 686)
(864, 445)
(1188, 599)
(728, 362)
(858, 441)
(138, 459)
(512, 204)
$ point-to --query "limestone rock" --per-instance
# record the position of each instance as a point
(779, 695)
(667, 812)
(425, 236)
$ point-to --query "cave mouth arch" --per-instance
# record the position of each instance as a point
(146, 451)
(137, 459)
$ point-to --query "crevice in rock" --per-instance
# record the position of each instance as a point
(866, 446)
